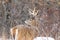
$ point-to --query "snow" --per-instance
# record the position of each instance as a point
(37, 38)
(43, 38)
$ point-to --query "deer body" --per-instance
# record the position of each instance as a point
(23, 32)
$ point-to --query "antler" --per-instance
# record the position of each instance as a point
(33, 12)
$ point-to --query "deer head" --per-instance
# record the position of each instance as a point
(33, 12)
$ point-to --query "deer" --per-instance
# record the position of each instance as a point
(23, 32)
(16, 30)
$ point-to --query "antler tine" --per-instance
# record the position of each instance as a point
(34, 10)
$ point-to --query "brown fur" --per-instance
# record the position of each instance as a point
(25, 32)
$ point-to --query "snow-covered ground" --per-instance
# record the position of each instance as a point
(4, 39)
(37, 38)
(44, 38)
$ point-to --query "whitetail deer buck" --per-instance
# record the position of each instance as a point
(22, 32)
